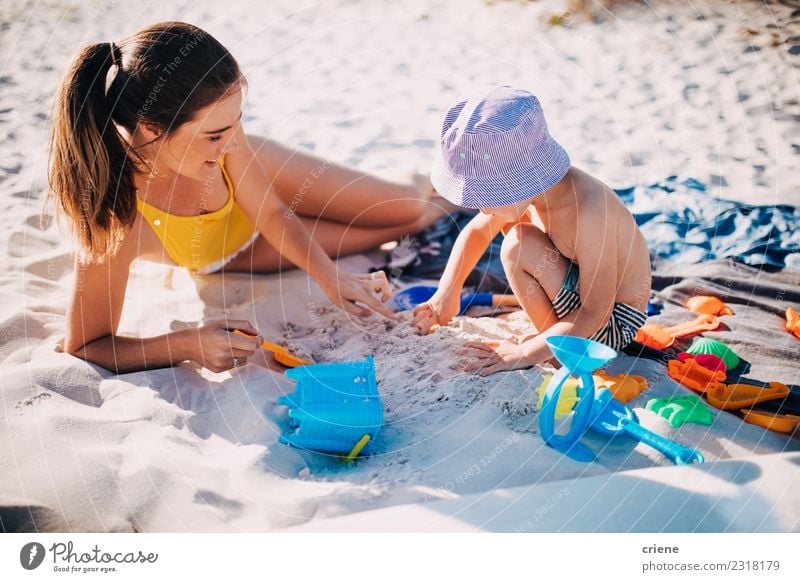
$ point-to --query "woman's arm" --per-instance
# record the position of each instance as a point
(93, 318)
(284, 230)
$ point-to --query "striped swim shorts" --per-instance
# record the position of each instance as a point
(621, 328)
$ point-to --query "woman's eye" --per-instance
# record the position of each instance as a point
(215, 138)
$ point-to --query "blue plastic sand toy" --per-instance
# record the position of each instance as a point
(598, 412)
(579, 357)
(611, 418)
(335, 407)
(410, 297)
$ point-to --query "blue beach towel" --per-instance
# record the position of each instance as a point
(679, 220)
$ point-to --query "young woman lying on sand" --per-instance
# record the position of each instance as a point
(149, 160)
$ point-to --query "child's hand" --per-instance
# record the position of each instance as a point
(439, 310)
(490, 357)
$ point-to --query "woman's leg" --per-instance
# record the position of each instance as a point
(336, 239)
(318, 188)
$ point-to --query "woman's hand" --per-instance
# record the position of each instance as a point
(438, 310)
(490, 357)
(216, 347)
(356, 294)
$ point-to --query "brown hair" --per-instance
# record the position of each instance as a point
(164, 74)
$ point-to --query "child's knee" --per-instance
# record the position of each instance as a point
(509, 250)
(523, 240)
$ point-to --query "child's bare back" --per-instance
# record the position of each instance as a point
(594, 211)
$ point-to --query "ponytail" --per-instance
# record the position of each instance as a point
(91, 175)
(92, 167)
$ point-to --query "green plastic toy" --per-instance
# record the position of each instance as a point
(679, 410)
(704, 345)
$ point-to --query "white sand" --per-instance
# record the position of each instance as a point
(643, 96)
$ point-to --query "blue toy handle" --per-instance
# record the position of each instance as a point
(673, 451)
(581, 414)
(471, 299)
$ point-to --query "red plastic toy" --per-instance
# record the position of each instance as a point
(709, 361)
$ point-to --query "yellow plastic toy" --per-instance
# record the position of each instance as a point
(567, 398)
(623, 388)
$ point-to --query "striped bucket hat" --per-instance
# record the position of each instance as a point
(496, 150)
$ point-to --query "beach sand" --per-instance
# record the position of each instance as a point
(707, 89)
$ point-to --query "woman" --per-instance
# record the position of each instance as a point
(149, 160)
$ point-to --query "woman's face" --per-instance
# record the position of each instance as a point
(195, 147)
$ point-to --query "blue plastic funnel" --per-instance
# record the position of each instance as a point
(579, 357)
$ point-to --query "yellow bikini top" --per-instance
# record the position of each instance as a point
(197, 241)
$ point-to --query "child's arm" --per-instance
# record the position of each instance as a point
(597, 258)
(467, 250)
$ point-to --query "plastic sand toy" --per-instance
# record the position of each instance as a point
(658, 337)
(784, 423)
(704, 345)
(335, 407)
(611, 418)
(580, 357)
(567, 398)
(410, 297)
(710, 361)
(793, 322)
(708, 304)
(679, 410)
(653, 308)
(738, 396)
(282, 355)
(623, 387)
(694, 376)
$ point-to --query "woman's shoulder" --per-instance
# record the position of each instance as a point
(135, 241)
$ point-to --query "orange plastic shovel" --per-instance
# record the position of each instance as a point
(660, 338)
(282, 355)
(785, 423)
(737, 396)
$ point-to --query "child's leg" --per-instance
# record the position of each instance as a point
(535, 270)
(318, 188)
